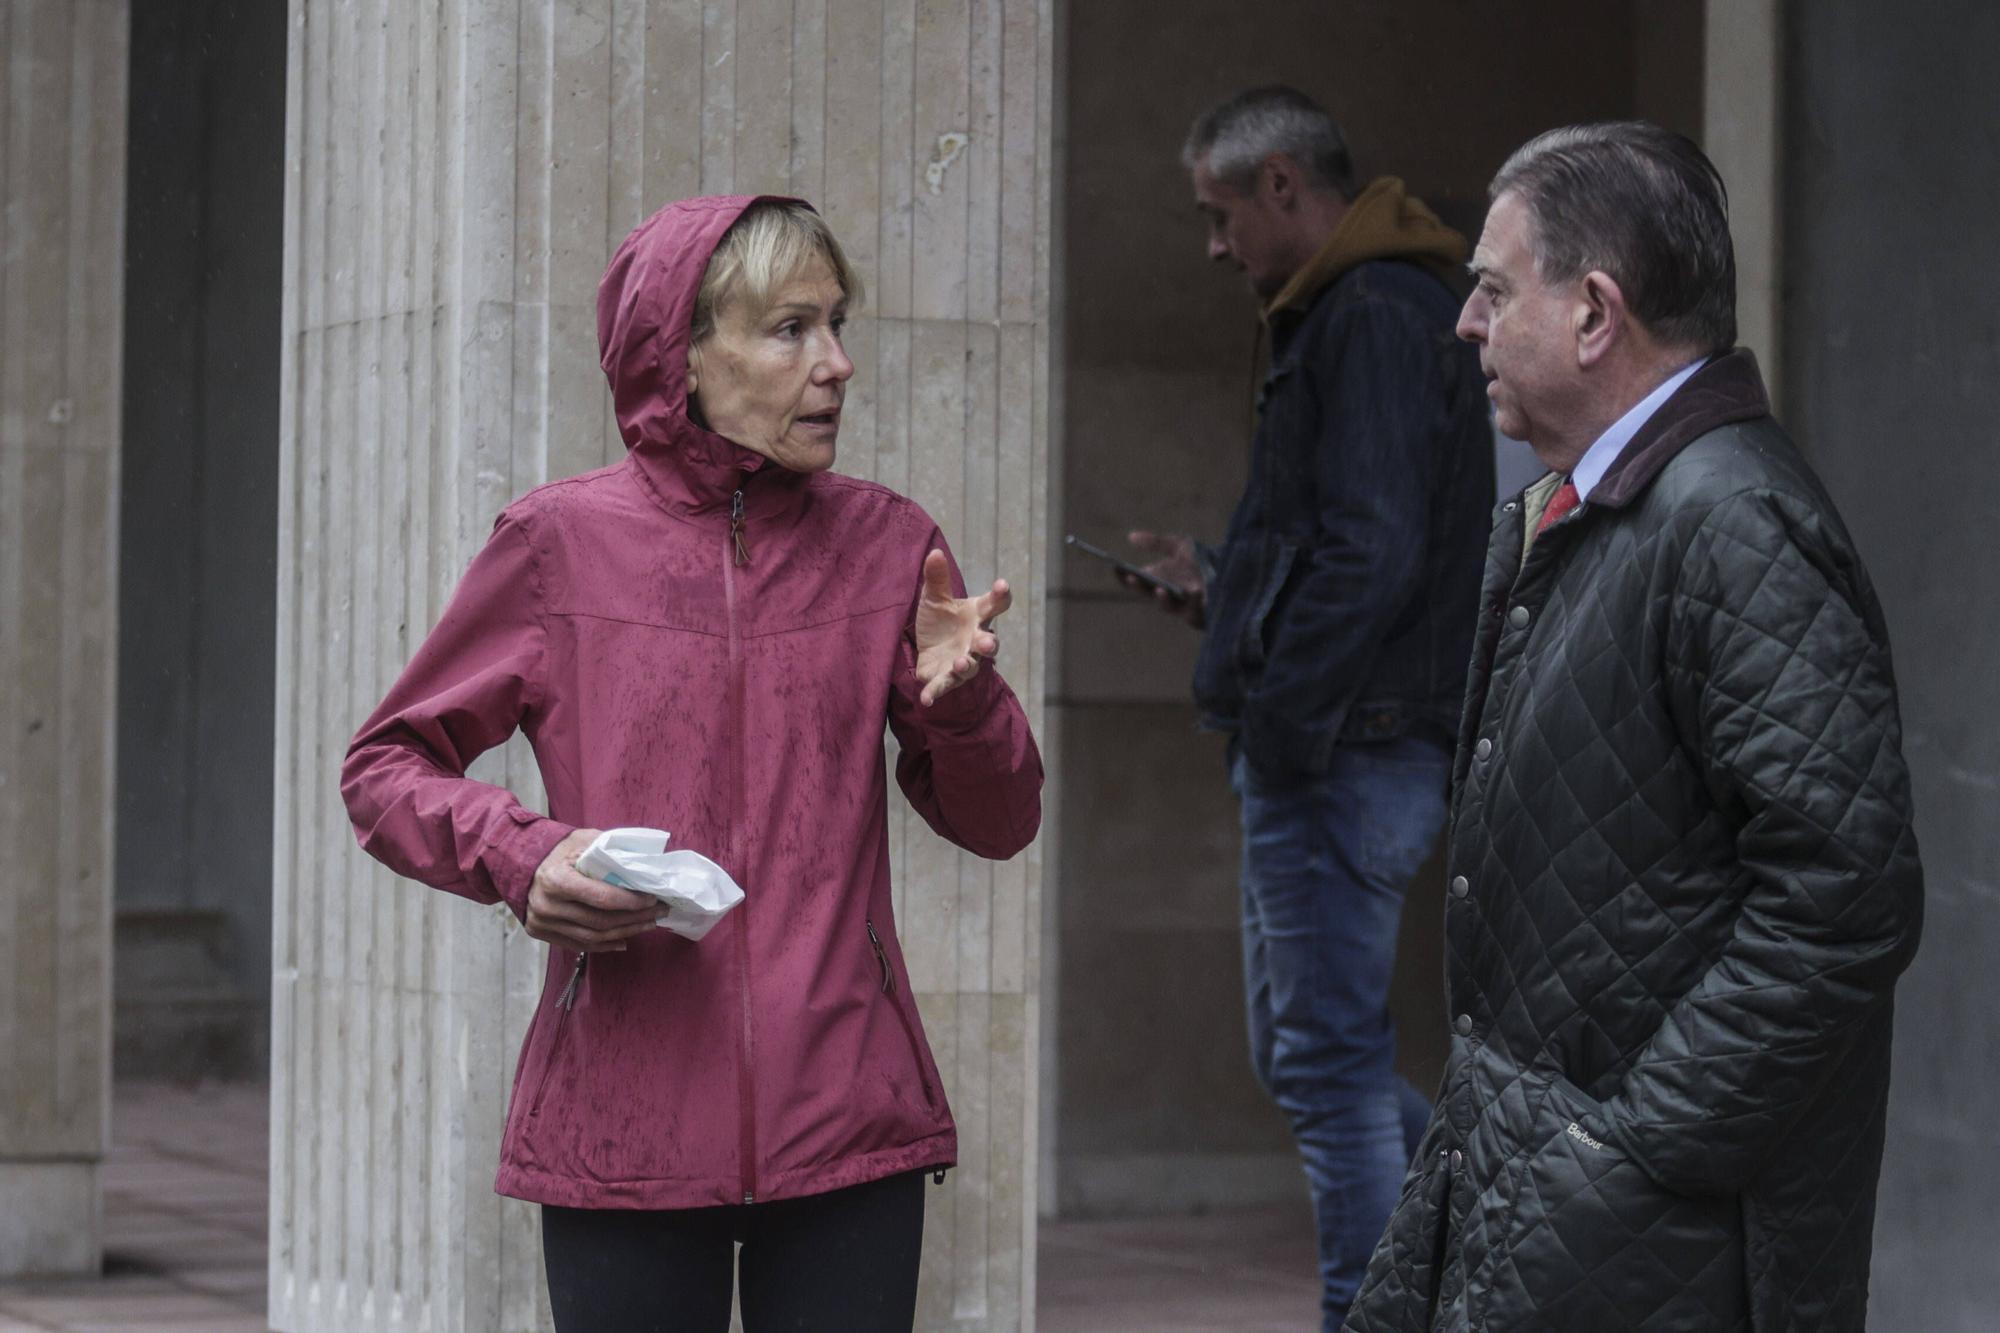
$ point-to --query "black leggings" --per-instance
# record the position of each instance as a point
(845, 1260)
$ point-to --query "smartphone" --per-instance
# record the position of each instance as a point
(1126, 567)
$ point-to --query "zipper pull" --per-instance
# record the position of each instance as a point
(736, 528)
(881, 956)
(569, 992)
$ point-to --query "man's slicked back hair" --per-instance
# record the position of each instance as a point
(1645, 206)
(1234, 138)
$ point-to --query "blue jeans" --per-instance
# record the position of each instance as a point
(1325, 864)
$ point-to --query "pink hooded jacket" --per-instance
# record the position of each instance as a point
(666, 682)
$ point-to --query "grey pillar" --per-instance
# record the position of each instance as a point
(62, 192)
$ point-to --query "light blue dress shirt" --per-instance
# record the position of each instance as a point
(1604, 450)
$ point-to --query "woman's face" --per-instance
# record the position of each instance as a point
(773, 381)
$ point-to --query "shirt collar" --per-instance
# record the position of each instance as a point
(1604, 450)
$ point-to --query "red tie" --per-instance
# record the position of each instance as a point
(1564, 500)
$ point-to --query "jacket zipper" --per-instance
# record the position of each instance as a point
(564, 1003)
(881, 956)
(736, 553)
(902, 1018)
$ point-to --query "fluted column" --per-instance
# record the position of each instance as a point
(459, 171)
(62, 196)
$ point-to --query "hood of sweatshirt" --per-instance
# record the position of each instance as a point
(1385, 221)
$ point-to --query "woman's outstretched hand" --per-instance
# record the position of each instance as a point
(954, 634)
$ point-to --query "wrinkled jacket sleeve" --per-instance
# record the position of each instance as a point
(1375, 386)
(1788, 698)
(474, 680)
(969, 765)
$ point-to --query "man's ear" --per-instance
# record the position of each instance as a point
(1281, 180)
(1600, 317)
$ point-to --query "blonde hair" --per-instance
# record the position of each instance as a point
(763, 250)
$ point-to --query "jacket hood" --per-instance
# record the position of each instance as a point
(1385, 221)
(645, 307)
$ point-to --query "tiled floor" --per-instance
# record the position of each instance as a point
(1231, 1272)
(184, 1217)
(184, 1221)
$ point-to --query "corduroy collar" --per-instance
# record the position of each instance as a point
(1727, 389)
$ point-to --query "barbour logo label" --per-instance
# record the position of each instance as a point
(1576, 1132)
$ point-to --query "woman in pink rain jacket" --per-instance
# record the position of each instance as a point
(709, 637)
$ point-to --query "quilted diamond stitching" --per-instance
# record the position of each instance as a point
(1812, 731)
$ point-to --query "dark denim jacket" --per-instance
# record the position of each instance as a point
(1341, 604)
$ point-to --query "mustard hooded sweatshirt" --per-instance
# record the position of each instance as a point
(1385, 221)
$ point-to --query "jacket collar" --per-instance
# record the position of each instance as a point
(1726, 390)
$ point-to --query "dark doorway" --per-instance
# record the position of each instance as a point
(198, 537)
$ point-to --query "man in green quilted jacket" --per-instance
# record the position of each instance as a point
(1683, 878)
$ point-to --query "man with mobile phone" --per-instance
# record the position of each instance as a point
(1337, 619)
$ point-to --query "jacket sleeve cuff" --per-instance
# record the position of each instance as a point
(1208, 559)
(519, 853)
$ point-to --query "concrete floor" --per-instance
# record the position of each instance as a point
(184, 1202)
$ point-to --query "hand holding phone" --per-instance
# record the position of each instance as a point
(1128, 571)
(1172, 579)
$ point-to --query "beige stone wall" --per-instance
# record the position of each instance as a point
(62, 188)
(458, 174)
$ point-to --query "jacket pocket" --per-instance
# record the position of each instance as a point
(564, 1004)
(1254, 647)
(1428, 1249)
(1592, 1242)
(1489, 1227)
(899, 997)
(1274, 381)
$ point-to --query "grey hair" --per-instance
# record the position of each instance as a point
(1645, 206)
(1234, 138)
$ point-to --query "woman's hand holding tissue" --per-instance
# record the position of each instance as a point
(573, 911)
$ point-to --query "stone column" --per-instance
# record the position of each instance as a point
(62, 186)
(459, 171)
(1743, 131)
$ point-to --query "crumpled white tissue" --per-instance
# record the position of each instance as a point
(698, 892)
